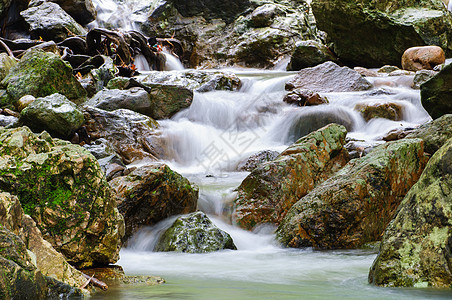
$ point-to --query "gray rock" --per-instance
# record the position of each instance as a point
(55, 114)
(256, 159)
(83, 11)
(51, 22)
(309, 54)
(421, 77)
(434, 134)
(194, 233)
(329, 77)
(436, 93)
(135, 99)
(6, 63)
(211, 9)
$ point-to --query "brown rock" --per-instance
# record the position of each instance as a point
(302, 97)
(419, 58)
(391, 111)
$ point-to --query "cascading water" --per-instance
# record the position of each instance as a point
(206, 143)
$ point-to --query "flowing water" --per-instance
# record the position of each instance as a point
(206, 143)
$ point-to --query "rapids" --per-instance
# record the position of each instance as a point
(206, 142)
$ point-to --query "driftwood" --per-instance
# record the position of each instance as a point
(95, 282)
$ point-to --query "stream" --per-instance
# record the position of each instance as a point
(207, 142)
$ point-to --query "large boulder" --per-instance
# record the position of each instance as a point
(83, 11)
(41, 74)
(375, 33)
(132, 135)
(436, 93)
(55, 114)
(415, 250)
(211, 9)
(194, 233)
(354, 206)
(46, 258)
(329, 77)
(63, 189)
(51, 22)
(152, 193)
(273, 187)
(309, 54)
(423, 58)
(434, 134)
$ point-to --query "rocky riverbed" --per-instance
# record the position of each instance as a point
(326, 125)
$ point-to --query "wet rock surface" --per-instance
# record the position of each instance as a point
(272, 188)
(436, 93)
(309, 54)
(329, 77)
(152, 193)
(415, 250)
(390, 111)
(63, 189)
(194, 233)
(354, 206)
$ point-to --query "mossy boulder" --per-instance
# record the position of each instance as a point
(63, 189)
(354, 206)
(194, 233)
(51, 22)
(415, 250)
(55, 114)
(152, 193)
(434, 134)
(267, 194)
(309, 54)
(211, 9)
(375, 33)
(436, 93)
(41, 74)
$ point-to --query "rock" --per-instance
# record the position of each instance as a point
(354, 206)
(152, 193)
(4, 98)
(100, 77)
(51, 22)
(421, 77)
(6, 63)
(398, 134)
(135, 99)
(390, 111)
(264, 15)
(83, 11)
(55, 114)
(196, 80)
(49, 46)
(194, 233)
(395, 27)
(388, 69)
(167, 100)
(309, 54)
(132, 135)
(435, 133)
(42, 74)
(211, 9)
(401, 73)
(63, 189)
(329, 77)
(19, 277)
(436, 93)
(366, 72)
(24, 102)
(423, 58)
(301, 97)
(415, 250)
(273, 187)
(255, 160)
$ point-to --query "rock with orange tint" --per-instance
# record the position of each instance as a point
(355, 205)
(423, 58)
(273, 187)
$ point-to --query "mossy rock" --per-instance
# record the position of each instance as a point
(62, 187)
(41, 74)
(6, 63)
(354, 206)
(436, 93)
(434, 134)
(194, 233)
(415, 250)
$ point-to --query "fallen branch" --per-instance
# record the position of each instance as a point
(95, 282)
(10, 53)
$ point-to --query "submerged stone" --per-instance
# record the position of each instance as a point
(194, 233)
